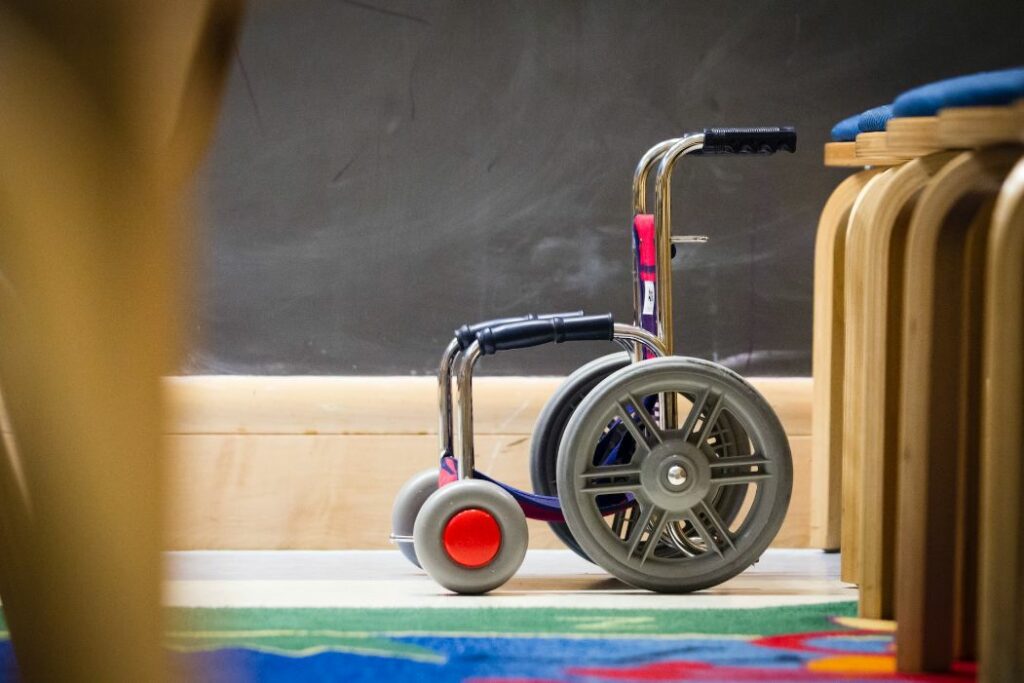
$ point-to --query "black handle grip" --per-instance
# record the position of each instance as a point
(466, 334)
(522, 335)
(761, 141)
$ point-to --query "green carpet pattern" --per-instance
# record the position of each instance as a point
(373, 629)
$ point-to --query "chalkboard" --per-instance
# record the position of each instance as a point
(384, 171)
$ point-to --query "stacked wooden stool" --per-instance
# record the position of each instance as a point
(919, 395)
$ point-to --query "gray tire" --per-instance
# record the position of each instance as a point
(407, 505)
(673, 481)
(553, 419)
(442, 507)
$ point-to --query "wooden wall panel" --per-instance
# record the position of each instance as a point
(335, 492)
(262, 462)
(392, 405)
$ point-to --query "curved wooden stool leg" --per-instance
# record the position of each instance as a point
(950, 213)
(1001, 591)
(854, 362)
(827, 417)
(968, 480)
(885, 229)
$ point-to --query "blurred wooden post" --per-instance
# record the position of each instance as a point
(95, 252)
(1001, 590)
(14, 526)
(934, 387)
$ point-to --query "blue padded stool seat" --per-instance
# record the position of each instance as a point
(874, 120)
(871, 121)
(989, 88)
(846, 130)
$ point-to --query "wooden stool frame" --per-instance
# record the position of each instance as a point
(1001, 590)
(936, 391)
(827, 417)
(886, 223)
(854, 362)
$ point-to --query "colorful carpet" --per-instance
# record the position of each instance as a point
(805, 643)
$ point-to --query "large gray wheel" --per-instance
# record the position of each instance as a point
(471, 536)
(674, 538)
(407, 505)
(726, 439)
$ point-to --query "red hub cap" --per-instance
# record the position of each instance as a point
(472, 538)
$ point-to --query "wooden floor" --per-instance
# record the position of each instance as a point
(548, 578)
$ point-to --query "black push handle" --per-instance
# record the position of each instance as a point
(522, 335)
(761, 141)
(466, 334)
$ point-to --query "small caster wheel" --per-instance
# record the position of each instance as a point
(407, 505)
(471, 536)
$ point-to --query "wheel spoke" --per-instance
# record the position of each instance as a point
(693, 516)
(650, 514)
(695, 410)
(739, 478)
(646, 441)
(716, 523)
(617, 521)
(724, 470)
(614, 479)
(636, 530)
(646, 418)
(741, 461)
(633, 511)
(713, 404)
(654, 536)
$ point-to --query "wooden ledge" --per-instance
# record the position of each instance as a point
(842, 154)
(967, 127)
(845, 155)
(876, 146)
(913, 135)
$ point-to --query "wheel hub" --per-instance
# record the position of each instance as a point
(472, 538)
(676, 475)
